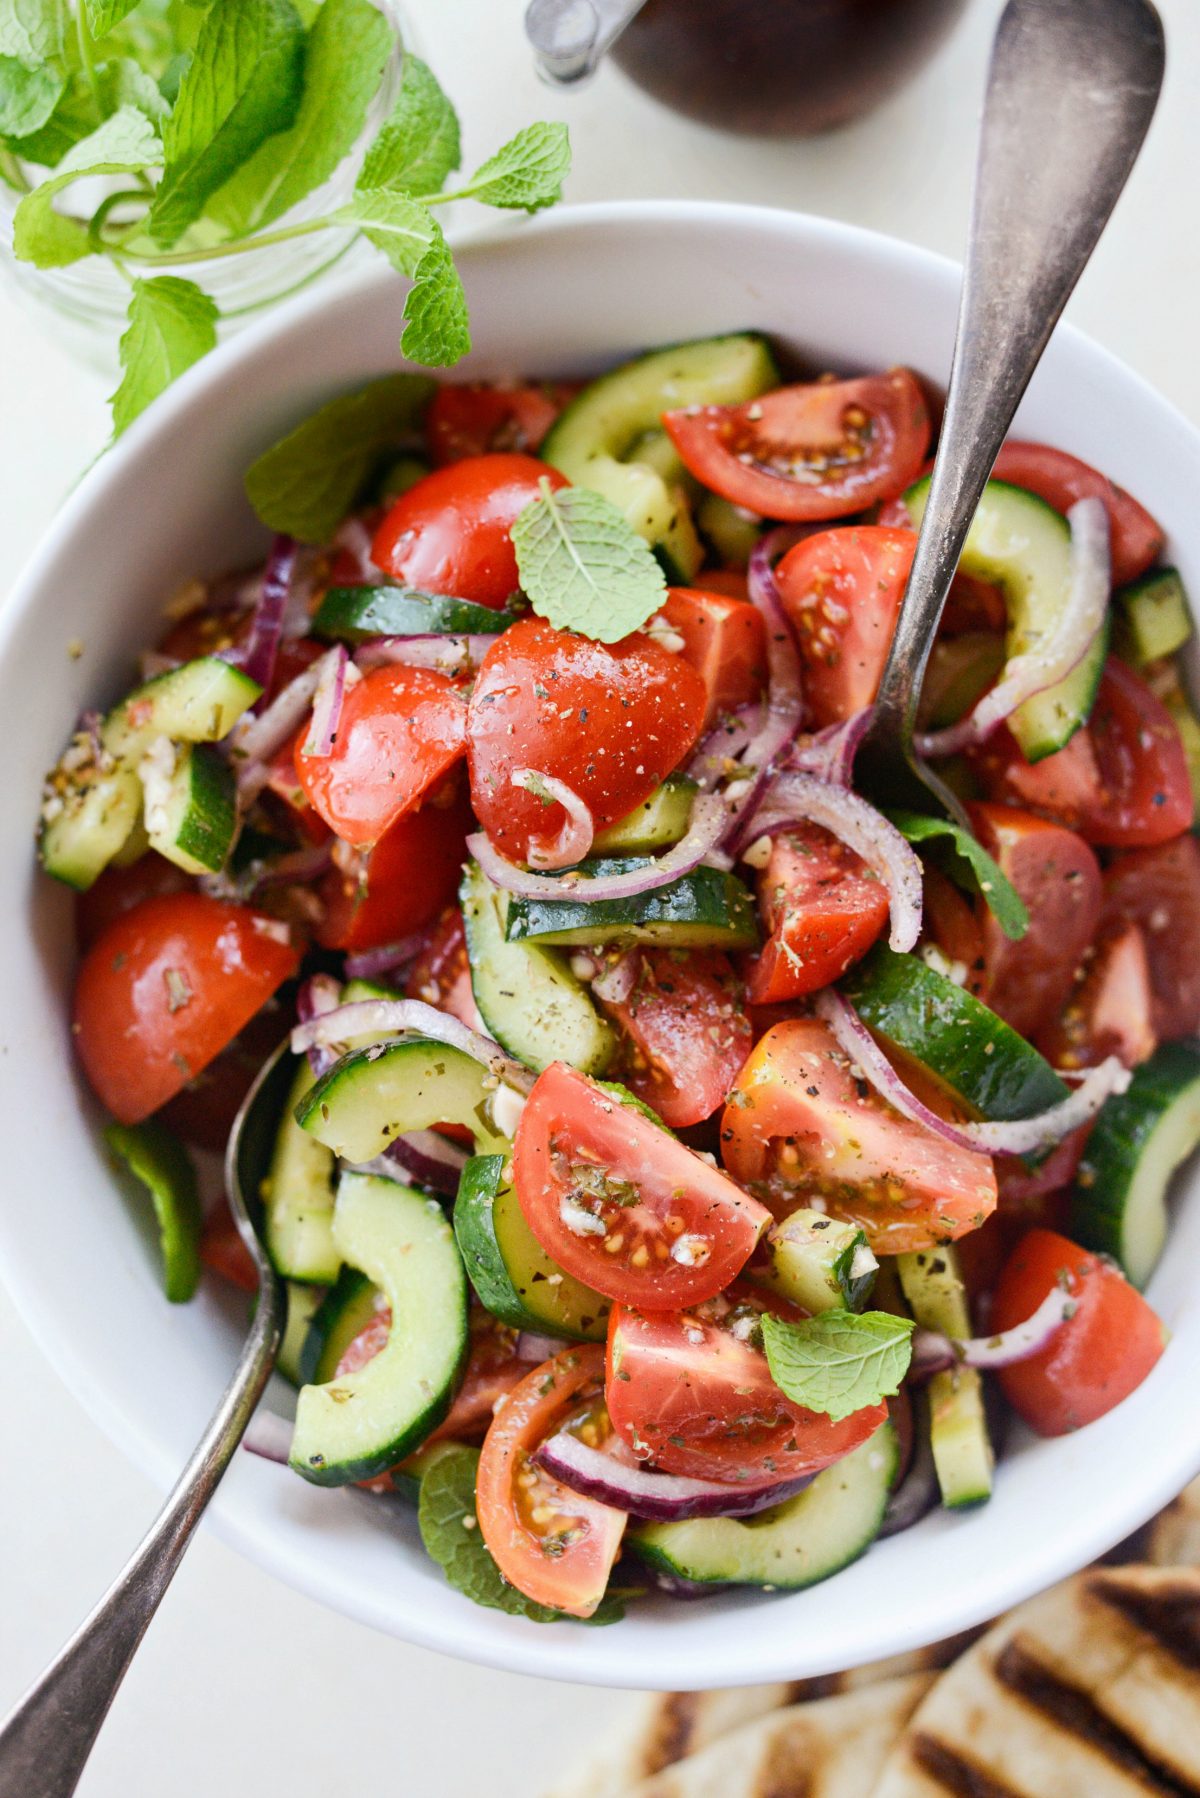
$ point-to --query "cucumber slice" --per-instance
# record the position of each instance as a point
(191, 804)
(1188, 726)
(819, 1262)
(703, 909)
(527, 995)
(678, 548)
(794, 1544)
(731, 530)
(159, 1160)
(510, 1271)
(655, 824)
(973, 1051)
(347, 1308)
(298, 1195)
(198, 703)
(303, 1303)
(374, 1094)
(356, 613)
(594, 437)
(86, 822)
(1153, 617)
(363, 1423)
(1140, 1138)
(1021, 545)
(962, 1447)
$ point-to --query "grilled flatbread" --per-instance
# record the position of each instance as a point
(828, 1748)
(1173, 1539)
(1090, 1691)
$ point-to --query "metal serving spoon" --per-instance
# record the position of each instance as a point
(46, 1740)
(1071, 91)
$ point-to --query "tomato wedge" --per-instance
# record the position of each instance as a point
(1121, 782)
(1060, 479)
(800, 1127)
(1110, 1011)
(400, 730)
(375, 896)
(1097, 1357)
(821, 450)
(164, 988)
(841, 591)
(823, 908)
(622, 1205)
(554, 1545)
(1058, 877)
(1159, 890)
(609, 719)
(687, 1033)
(474, 418)
(724, 640)
(691, 1391)
(450, 532)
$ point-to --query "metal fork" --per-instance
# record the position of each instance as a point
(1071, 91)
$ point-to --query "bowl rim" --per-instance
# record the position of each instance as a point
(527, 1651)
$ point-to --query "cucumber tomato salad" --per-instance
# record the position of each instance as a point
(683, 1171)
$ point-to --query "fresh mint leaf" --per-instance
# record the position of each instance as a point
(244, 82)
(436, 330)
(172, 323)
(1000, 895)
(838, 1361)
(450, 1531)
(418, 146)
(348, 47)
(527, 172)
(75, 117)
(395, 223)
(124, 144)
(131, 86)
(305, 484)
(30, 30)
(584, 567)
(102, 15)
(29, 92)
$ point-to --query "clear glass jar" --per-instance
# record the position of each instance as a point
(85, 303)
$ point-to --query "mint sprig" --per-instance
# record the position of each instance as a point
(969, 860)
(208, 124)
(839, 1361)
(583, 566)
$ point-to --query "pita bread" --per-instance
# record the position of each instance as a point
(1090, 1691)
(1173, 1539)
(829, 1748)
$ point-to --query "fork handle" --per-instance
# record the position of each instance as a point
(1071, 91)
(45, 1741)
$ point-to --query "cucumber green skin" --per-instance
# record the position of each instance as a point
(363, 1422)
(950, 1030)
(1020, 544)
(98, 818)
(962, 1448)
(527, 995)
(656, 823)
(1153, 617)
(342, 1313)
(374, 1094)
(509, 1290)
(159, 1160)
(197, 703)
(303, 1303)
(810, 1262)
(797, 1543)
(1141, 1136)
(352, 614)
(298, 1197)
(706, 908)
(203, 812)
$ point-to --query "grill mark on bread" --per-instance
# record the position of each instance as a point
(675, 1726)
(1076, 1712)
(953, 1771)
(783, 1776)
(1169, 1613)
(821, 1685)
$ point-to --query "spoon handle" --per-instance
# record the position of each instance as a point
(47, 1738)
(1071, 91)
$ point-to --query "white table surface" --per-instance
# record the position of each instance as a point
(243, 1686)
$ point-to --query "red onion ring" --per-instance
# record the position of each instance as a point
(269, 1436)
(382, 1018)
(935, 1353)
(615, 983)
(578, 828)
(830, 754)
(794, 798)
(1036, 670)
(1013, 1136)
(258, 653)
(368, 963)
(445, 654)
(318, 996)
(716, 758)
(327, 704)
(917, 1492)
(707, 827)
(255, 740)
(424, 1156)
(644, 1493)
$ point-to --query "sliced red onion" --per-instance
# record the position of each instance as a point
(641, 1492)
(327, 704)
(269, 1436)
(795, 798)
(934, 1353)
(917, 1492)
(432, 1159)
(708, 823)
(369, 963)
(258, 653)
(830, 754)
(254, 741)
(578, 828)
(617, 981)
(530, 1346)
(354, 537)
(382, 1018)
(445, 654)
(319, 995)
(1027, 675)
(1013, 1136)
(716, 759)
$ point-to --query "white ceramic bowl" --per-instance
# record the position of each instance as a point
(567, 293)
